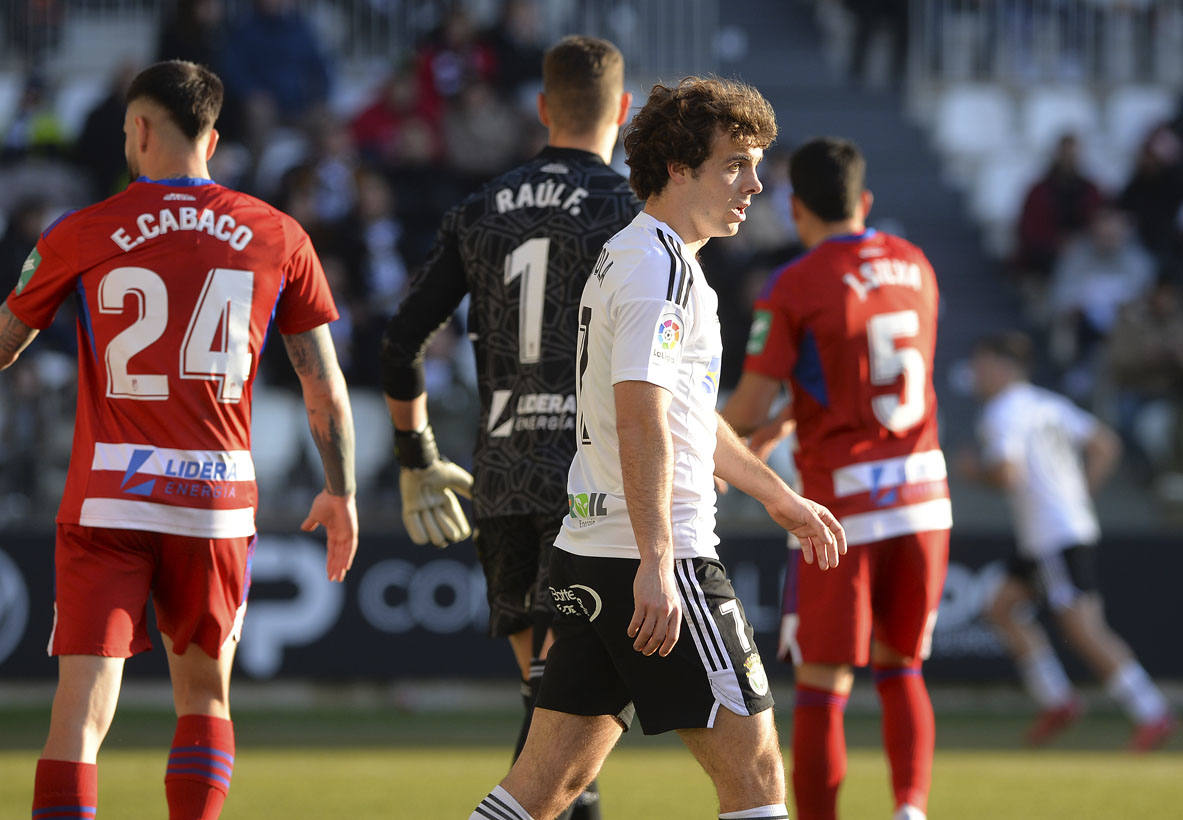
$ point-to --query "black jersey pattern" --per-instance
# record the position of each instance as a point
(522, 246)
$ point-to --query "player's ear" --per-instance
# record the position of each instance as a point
(626, 102)
(212, 145)
(796, 208)
(543, 114)
(865, 201)
(143, 130)
(679, 171)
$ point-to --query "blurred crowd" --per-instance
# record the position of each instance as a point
(1101, 274)
(370, 186)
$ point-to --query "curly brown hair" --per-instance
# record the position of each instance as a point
(679, 124)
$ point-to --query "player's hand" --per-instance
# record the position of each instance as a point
(657, 613)
(338, 514)
(822, 537)
(430, 509)
(765, 439)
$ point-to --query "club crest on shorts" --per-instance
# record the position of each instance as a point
(757, 677)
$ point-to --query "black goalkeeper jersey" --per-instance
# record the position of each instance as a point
(522, 246)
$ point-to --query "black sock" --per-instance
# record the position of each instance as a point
(529, 694)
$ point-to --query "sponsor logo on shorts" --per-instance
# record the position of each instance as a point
(757, 677)
(758, 335)
(577, 600)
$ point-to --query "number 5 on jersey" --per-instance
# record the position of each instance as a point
(216, 346)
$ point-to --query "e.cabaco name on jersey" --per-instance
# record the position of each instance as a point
(152, 225)
(548, 194)
(879, 272)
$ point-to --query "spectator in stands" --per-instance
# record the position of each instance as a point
(449, 59)
(35, 129)
(1154, 195)
(275, 68)
(482, 133)
(1095, 275)
(378, 129)
(99, 148)
(194, 31)
(34, 27)
(516, 41)
(872, 16)
(1143, 366)
(1057, 208)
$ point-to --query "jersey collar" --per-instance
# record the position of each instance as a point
(180, 182)
(553, 152)
(852, 237)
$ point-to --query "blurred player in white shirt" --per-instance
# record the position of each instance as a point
(1050, 456)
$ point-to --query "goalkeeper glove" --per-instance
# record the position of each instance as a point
(428, 484)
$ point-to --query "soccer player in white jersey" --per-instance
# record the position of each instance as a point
(648, 623)
(1050, 456)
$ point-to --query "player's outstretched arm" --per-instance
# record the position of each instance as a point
(647, 472)
(331, 421)
(822, 537)
(15, 336)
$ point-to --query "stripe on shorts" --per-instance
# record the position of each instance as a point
(703, 629)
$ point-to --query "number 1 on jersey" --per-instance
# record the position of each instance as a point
(528, 261)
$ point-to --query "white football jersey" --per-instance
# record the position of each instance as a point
(1042, 433)
(647, 314)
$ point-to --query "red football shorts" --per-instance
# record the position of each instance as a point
(105, 576)
(887, 589)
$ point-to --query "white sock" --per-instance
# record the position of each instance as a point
(908, 812)
(1139, 697)
(500, 805)
(775, 811)
(1044, 679)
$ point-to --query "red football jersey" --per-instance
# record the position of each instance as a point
(177, 283)
(851, 326)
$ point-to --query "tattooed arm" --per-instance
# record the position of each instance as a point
(15, 336)
(329, 416)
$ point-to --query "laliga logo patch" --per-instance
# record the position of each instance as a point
(669, 333)
(757, 677)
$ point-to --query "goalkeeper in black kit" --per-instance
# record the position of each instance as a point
(522, 247)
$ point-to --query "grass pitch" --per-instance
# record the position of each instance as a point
(382, 763)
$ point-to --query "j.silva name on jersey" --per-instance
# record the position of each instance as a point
(188, 218)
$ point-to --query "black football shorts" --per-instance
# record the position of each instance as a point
(513, 551)
(1059, 578)
(592, 668)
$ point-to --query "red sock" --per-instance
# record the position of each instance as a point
(65, 790)
(199, 767)
(819, 752)
(909, 732)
